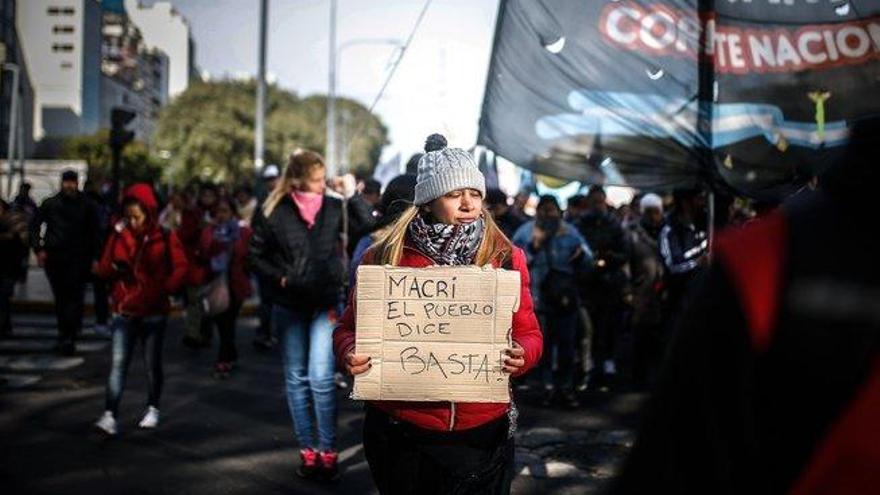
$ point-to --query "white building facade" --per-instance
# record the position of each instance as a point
(61, 41)
(163, 28)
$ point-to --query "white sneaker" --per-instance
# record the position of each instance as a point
(609, 367)
(151, 418)
(107, 423)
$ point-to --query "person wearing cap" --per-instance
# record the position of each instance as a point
(444, 447)
(268, 180)
(647, 272)
(264, 340)
(68, 248)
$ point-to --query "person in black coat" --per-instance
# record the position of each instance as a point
(68, 249)
(606, 284)
(297, 252)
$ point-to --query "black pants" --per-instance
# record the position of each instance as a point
(264, 330)
(68, 278)
(607, 310)
(559, 329)
(405, 459)
(225, 323)
(102, 300)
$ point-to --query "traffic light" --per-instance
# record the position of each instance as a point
(119, 135)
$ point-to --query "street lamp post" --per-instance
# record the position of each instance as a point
(335, 75)
(260, 125)
(13, 124)
(331, 97)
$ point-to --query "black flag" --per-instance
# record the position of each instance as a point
(610, 91)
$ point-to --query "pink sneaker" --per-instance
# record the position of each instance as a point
(329, 465)
(308, 463)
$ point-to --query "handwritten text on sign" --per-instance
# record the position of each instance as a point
(435, 334)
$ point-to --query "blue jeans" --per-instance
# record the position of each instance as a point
(127, 331)
(307, 348)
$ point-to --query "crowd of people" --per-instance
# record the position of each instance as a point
(604, 288)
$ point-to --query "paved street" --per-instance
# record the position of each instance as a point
(232, 436)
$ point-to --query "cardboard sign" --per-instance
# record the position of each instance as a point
(434, 334)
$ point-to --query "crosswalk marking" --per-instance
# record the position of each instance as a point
(37, 362)
(37, 345)
(19, 381)
(43, 319)
(38, 332)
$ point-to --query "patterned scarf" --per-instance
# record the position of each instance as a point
(447, 244)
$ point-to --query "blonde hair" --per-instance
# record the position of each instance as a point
(300, 165)
(388, 247)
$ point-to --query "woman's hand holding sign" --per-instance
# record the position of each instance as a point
(356, 364)
(514, 360)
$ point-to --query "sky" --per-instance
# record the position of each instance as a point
(438, 86)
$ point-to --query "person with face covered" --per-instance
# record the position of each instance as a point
(223, 248)
(557, 257)
(606, 287)
(444, 447)
(144, 264)
(68, 249)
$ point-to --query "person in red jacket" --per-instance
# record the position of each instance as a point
(194, 218)
(444, 447)
(223, 248)
(144, 264)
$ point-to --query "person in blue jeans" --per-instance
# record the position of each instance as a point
(144, 265)
(296, 249)
(557, 257)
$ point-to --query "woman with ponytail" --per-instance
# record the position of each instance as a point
(444, 447)
(296, 248)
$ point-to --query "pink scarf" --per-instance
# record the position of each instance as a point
(309, 205)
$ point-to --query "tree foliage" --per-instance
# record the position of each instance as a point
(137, 164)
(209, 130)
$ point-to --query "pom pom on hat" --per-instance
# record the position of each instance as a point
(435, 142)
(442, 170)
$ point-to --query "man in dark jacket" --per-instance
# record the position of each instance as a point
(606, 283)
(684, 244)
(772, 385)
(68, 249)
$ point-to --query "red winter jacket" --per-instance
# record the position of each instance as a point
(145, 267)
(239, 279)
(445, 416)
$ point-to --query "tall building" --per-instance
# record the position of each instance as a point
(10, 47)
(133, 76)
(61, 41)
(163, 28)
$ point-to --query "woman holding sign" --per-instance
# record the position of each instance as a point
(296, 245)
(445, 447)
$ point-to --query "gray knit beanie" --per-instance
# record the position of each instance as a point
(443, 169)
